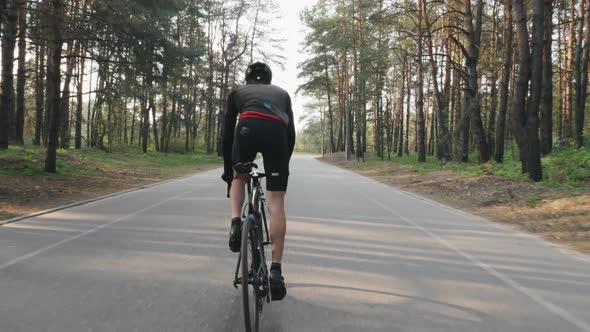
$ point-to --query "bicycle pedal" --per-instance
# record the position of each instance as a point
(266, 243)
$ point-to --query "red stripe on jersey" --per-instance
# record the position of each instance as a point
(263, 116)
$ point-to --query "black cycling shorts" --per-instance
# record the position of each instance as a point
(270, 138)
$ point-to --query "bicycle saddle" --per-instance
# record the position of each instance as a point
(245, 168)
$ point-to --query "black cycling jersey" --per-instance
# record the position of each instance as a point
(262, 98)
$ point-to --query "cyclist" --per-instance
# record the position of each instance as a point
(265, 125)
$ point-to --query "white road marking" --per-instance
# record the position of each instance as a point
(93, 230)
(564, 314)
(566, 251)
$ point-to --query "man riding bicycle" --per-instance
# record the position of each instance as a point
(265, 125)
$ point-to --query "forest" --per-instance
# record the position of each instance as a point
(451, 80)
(454, 80)
(147, 73)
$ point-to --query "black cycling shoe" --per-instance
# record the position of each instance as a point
(235, 237)
(277, 286)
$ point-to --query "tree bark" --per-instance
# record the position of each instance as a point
(504, 85)
(154, 123)
(56, 19)
(443, 151)
(522, 80)
(472, 107)
(400, 147)
(568, 105)
(165, 119)
(65, 100)
(21, 76)
(534, 103)
(39, 91)
(331, 119)
(526, 115)
(408, 106)
(78, 135)
(582, 59)
(547, 93)
(494, 83)
(7, 104)
(420, 89)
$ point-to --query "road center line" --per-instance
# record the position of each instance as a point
(93, 230)
(564, 314)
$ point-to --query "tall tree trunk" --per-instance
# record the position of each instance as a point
(494, 83)
(348, 110)
(133, 117)
(408, 107)
(568, 106)
(89, 112)
(65, 100)
(165, 120)
(534, 102)
(522, 80)
(328, 91)
(472, 106)
(56, 19)
(361, 74)
(4, 116)
(78, 136)
(209, 119)
(547, 93)
(527, 114)
(7, 104)
(504, 85)
(402, 96)
(145, 128)
(21, 78)
(582, 60)
(154, 122)
(420, 89)
(39, 91)
(443, 151)
(561, 65)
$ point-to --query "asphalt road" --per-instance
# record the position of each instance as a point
(360, 256)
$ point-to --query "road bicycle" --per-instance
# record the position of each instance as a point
(251, 269)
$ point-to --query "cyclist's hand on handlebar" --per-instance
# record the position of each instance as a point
(227, 179)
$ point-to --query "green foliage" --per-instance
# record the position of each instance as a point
(177, 146)
(309, 140)
(565, 167)
(29, 160)
(568, 166)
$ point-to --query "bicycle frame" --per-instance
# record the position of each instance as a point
(256, 208)
(256, 200)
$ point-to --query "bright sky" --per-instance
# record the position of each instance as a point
(293, 33)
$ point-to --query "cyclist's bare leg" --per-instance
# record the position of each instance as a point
(237, 195)
(278, 223)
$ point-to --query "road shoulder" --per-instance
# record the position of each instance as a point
(558, 215)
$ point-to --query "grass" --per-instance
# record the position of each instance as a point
(30, 161)
(567, 168)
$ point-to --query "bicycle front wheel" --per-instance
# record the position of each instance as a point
(249, 272)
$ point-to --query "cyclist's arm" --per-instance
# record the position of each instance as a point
(291, 127)
(231, 114)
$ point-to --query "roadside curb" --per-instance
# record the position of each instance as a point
(92, 200)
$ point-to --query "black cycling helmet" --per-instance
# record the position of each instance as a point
(259, 72)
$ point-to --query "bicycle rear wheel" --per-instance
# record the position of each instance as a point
(250, 264)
